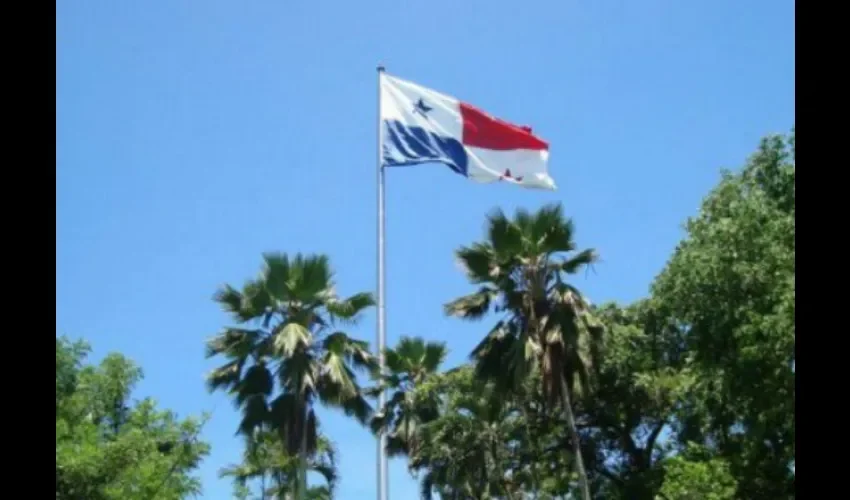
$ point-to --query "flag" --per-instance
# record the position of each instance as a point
(420, 125)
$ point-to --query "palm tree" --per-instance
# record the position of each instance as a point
(469, 450)
(287, 354)
(408, 366)
(265, 459)
(545, 328)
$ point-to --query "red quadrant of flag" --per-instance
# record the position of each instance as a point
(483, 131)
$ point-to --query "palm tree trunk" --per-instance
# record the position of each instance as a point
(571, 424)
(302, 458)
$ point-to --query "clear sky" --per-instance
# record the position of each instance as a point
(193, 136)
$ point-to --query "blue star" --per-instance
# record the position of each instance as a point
(422, 108)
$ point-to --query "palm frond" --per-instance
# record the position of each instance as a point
(350, 309)
(524, 354)
(395, 362)
(287, 420)
(257, 381)
(373, 392)
(358, 408)
(283, 408)
(256, 301)
(504, 237)
(397, 446)
(316, 275)
(233, 343)
(472, 307)
(410, 349)
(225, 377)
(380, 421)
(230, 300)
(354, 352)
(435, 354)
(336, 376)
(241, 473)
(337, 387)
(493, 348)
(290, 338)
(254, 414)
(576, 262)
(299, 373)
(478, 262)
(276, 276)
(523, 221)
(551, 231)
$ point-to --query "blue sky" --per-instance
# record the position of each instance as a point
(193, 136)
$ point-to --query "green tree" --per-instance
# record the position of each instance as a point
(468, 451)
(730, 286)
(641, 377)
(485, 444)
(696, 474)
(442, 421)
(288, 340)
(408, 366)
(521, 269)
(267, 466)
(108, 447)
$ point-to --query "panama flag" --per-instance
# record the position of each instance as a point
(420, 125)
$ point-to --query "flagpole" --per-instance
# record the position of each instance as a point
(382, 478)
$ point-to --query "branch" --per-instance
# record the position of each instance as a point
(653, 436)
(179, 456)
(628, 443)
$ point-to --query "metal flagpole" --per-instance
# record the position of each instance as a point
(383, 480)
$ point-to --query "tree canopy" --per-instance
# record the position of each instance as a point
(110, 447)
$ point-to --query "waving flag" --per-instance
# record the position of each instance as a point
(420, 125)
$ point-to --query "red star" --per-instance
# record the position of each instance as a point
(507, 175)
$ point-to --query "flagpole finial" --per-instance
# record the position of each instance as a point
(381, 68)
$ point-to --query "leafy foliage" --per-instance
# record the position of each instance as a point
(731, 286)
(640, 380)
(108, 447)
(274, 473)
(696, 474)
(409, 365)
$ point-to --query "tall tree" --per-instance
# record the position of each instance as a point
(731, 286)
(109, 447)
(287, 353)
(408, 366)
(521, 269)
